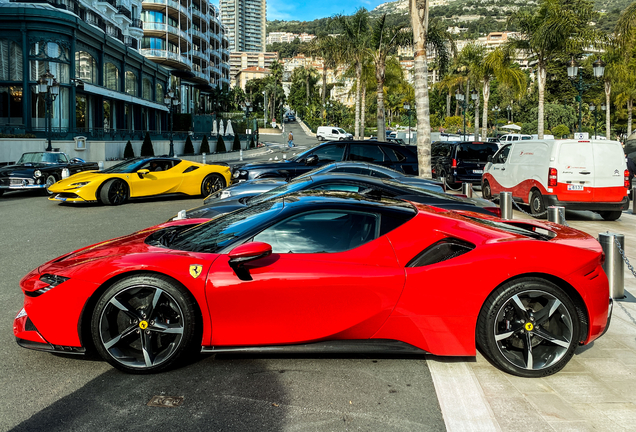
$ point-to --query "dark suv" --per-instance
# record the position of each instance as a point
(398, 157)
(460, 162)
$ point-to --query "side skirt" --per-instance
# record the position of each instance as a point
(366, 346)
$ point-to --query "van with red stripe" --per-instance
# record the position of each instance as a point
(575, 174)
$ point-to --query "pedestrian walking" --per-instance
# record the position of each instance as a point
(290, 139)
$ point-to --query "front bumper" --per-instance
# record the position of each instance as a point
(25, 185)
(610, 309)
(27, 336)
(69, 197)
(552, 200)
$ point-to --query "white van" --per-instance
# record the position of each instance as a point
(575, 174)
(332, 133)
(508, 138)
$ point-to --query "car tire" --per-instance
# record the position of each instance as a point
(50, 180)
(610, 215)
(486, 193)
(114, 192)
(144, 324)
(528, 327)
(319, 138)
(537, 206)
(212, 183)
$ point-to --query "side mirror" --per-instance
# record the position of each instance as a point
(489, 158)
(142, 173)
(77, 161)
(311, 160)
(245, 253)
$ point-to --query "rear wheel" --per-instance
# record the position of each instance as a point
(610, 215)
(143, 324)
(528, 328)
(537, 207)
(212, 183)
(486, 193)
(114, 192)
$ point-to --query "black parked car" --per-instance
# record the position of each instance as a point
(400, 158)
(39, 170)
(460, 162)
(360, 184)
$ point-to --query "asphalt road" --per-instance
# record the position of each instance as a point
(224, 392)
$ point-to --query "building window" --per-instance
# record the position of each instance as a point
(111, 76)
(152, 17)
(146, 89)
(153, 43)
(49, 50)
(60, 70)
(159, 93)
(10, 61)
(59, 110)
(131, 83)
(11, 102)
(85, 67)
(81, 117)
(107, 116)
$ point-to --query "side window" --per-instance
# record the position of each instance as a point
(515, 138)
(379, 174)
(502, 155)
(340, 187)
(365, 153)
(352, 170)
(330, 153)
(321, 232)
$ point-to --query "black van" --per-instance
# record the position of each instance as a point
(460, 162)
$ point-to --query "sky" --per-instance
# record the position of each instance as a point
(309, 10)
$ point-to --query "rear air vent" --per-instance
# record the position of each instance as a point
(442, 250)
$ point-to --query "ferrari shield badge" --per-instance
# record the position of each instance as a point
(195, 270)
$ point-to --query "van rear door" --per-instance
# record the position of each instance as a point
(609, 167)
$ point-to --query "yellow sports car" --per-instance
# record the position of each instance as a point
(141, 177)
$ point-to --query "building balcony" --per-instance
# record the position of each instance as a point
(131, 42)
(109, 4)
(198, 13)
(198, 54)
(168, 58)
(200, 34)
(202, 75)
(124, 12)
(163, 28)
(148, 4)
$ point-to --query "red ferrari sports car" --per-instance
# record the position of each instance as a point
(320, 271)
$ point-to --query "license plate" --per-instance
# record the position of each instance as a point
(478, 171)
(572, 187)
(60, 199)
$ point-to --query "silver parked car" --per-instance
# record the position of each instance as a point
(257, 187)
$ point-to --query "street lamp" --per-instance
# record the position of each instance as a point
(264, 108)
(509, 109)
(474, 95)
(575, 71)
(461, 98)
(407, 107)
(172, 100)
(48, 88)
(496, 108)
(593, 109)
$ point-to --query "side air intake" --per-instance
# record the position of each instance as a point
(442, 250)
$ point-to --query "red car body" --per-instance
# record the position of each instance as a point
(365, 293)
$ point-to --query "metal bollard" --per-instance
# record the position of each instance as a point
(241, 154)
(614, 265)
(556, 214)
(505, 204)
(203, 160)
(467, 189)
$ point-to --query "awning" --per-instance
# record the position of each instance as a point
(90, 88)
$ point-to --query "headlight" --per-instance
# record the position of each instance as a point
(236, 174)
(37, 173)
(225, 194)
(65, 173)
(47, 282)
(79, 185)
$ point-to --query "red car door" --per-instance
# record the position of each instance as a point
(295, 296)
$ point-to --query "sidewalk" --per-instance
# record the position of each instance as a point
(596, 391)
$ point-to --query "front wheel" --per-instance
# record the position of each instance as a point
(610, 215)
(114, 192)
(537, 207)
(528, 328)
(50, 181)
(143, 324)
(212, 183)
(486, 193)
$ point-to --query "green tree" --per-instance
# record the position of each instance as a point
(559, 131)
(205, 146)
(188, 148)
(147, 148)
(220, 145)
(128, 151)
(553, 29)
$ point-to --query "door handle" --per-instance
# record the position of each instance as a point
(503, 169)
(585, 172)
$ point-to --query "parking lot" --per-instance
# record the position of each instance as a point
(260, 392)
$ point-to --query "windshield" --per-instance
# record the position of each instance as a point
(423, 191)
(296, 185)
(218, 233)
(128, 166)
(342, 131)
(476, 151)
(42, 157)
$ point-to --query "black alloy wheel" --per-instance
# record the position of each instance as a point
(143, 324)
(537, 206)
(212, 183)
(50, 180)
(114, 192)
(529, 328)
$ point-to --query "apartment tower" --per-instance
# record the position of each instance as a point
(245, 24)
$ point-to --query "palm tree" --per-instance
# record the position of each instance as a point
(354, 42)
(328, 49)
(384, 40)
(553, 29)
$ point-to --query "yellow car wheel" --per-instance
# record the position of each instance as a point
(212, 183)
(114, 192)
